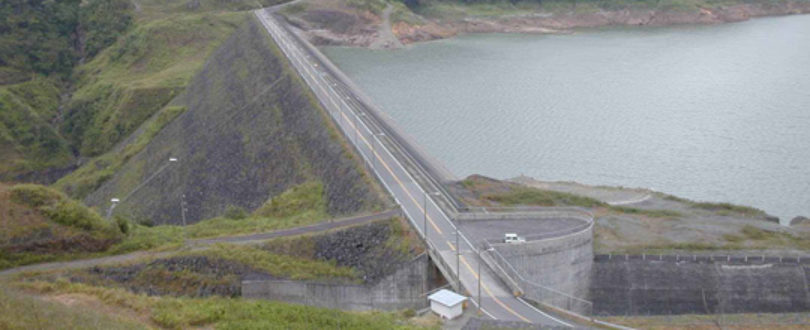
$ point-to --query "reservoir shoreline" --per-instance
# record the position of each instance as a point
(671, 109)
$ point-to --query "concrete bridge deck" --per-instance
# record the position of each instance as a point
(406, 176)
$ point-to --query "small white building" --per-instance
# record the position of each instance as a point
(447, 304)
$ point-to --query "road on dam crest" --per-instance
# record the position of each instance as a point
(456, 253)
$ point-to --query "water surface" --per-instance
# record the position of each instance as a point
(718, 113)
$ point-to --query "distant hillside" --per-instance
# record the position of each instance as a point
(246, 129)
(78, 77)
(40, 43)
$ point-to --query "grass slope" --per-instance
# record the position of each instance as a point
(227, 313)
(251, 131)
(41, 224)
(29, 143)
(138, 75)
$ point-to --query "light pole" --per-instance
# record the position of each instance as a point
(458, 265)
(116, 201)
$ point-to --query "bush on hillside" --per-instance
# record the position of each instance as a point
(59, 208)
(34, 195)
(308, 196)
(234, 212)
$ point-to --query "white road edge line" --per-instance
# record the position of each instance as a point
(286, 43)
(544, 313)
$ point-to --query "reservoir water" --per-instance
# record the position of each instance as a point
(717, 113)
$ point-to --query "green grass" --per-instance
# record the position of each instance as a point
(21, 311)
(719, 208)
(728, 209)
(138, 75)
(89, 177)
(537, 197)
(280, 265)
(649, 213)
(61, 209)
(225, 313)
(28, 140)
(748, 238)
(305, 197)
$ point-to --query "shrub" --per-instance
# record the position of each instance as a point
(58, 207)
(308, 196)
(34, 195)
(234, 212)
(123, 224)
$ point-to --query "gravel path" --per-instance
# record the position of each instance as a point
(385, 36)
(202, 243)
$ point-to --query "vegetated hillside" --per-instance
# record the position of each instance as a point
(138, 75)
(359, 22)
(39, 224)
(30, 145)
(66, 95)
(40, 43)
(361, 254)
(251, 131)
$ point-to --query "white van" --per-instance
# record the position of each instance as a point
(513, 238)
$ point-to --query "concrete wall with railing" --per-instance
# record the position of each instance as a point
(553, 271)
(699, 284)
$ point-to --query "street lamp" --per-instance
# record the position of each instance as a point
(113, 202)
(116, 201)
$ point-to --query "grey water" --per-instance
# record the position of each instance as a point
(713, 113)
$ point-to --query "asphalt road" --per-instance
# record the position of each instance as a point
(418, 206)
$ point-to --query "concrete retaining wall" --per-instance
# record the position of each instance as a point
(635, 286)
(554, 271)
(401, 290)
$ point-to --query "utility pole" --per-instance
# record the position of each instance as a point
(183, 208)
(458, 258)
(116, 201)
(479, 280)
(424, 209)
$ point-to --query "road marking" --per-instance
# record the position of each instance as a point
(354, 127)
(544, 313)
(486, 289)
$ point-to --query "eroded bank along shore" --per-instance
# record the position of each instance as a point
(641, 221)
(381, 24)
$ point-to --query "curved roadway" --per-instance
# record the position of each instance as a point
(419, 207)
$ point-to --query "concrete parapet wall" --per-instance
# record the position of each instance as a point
(401, 290)
(554, 271)
(650, 285)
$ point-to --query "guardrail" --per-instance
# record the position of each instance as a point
(695, 258)
(544, 295)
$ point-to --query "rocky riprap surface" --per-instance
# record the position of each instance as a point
(251, 131)
(194, 276)
(364, 248)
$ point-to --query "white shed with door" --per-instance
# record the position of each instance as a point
(447, 304)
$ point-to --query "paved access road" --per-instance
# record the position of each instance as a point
(357, 122)
(197, 244)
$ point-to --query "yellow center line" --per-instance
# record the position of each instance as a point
(486, 289)
(415, 202)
